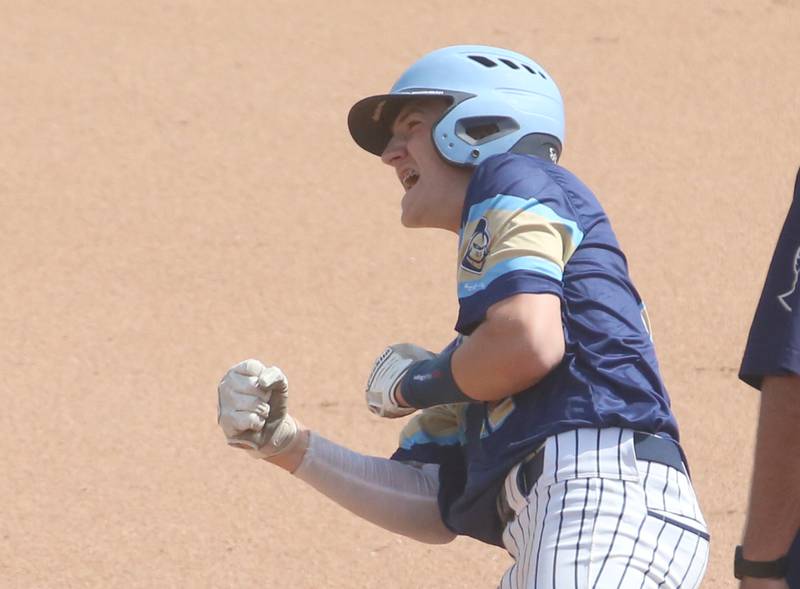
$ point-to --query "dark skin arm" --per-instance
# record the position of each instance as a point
(774, 511)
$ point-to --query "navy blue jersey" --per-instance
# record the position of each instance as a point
(773, 347)
(530, 226)
(793, 575)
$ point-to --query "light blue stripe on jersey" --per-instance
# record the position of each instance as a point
(507, 202)
(531, 263)
(422, 437)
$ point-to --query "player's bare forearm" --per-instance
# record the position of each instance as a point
(774, 513)
(521, 340)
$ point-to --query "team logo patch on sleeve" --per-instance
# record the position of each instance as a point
(783, 299)
(477, 248)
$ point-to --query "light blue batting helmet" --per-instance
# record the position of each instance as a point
(500, 101)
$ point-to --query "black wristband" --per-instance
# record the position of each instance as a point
(430, 382)
(772, 569)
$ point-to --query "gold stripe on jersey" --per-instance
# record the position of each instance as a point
(497, 415)
(515, 234)
(442, 425)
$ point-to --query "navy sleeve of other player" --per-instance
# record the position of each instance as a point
(793, 576)
(773, 346)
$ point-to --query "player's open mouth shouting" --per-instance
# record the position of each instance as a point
(409, 178)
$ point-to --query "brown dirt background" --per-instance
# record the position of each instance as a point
(178, 192)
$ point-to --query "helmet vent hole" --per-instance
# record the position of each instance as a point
(484, 61)
(533, 71)
(510, 64)
(478, 132)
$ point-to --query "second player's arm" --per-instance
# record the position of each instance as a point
(520, 341)
(774, 513)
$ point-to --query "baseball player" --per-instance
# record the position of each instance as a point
(770, 553)
(544, 427)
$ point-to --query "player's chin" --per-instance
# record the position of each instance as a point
(411, 214)
(407, 221)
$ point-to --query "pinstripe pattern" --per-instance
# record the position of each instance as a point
(598, 517)
(614, 535)
(671, 560)
(578, 551)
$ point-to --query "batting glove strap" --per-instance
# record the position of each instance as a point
(430, 382)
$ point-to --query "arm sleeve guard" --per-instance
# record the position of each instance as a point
(396, 496)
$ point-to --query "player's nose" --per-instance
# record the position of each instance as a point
(394, 152)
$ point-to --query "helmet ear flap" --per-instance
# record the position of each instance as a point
(541, 145)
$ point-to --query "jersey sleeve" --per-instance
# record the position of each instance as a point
(773, 345)
(511, 245)
(433, 435)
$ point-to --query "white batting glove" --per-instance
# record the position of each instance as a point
(389, 369)
(252, 402)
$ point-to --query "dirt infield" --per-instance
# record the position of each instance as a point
(178, 191)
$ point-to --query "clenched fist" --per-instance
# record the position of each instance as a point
(252, 402)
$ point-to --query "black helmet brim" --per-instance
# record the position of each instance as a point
(370, 120)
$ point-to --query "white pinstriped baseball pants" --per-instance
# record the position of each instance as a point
(598, 517)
